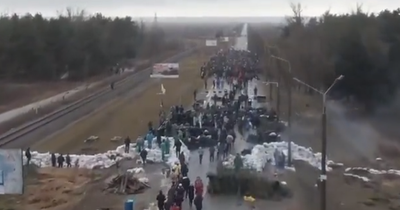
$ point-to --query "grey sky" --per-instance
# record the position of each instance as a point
(141, 8)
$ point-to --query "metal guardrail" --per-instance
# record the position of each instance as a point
(35, 124)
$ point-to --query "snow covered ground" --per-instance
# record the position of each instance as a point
(260, 154)
(110, 158)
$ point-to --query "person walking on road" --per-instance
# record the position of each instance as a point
(191, 195)
(198, 202)
(201, 153)
(127, 144)
(186, 183)
(143, 155)
(177, 146)
(68, 161)
(212, 153)
(161, 200)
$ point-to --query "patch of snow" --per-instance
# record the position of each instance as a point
(144, 179)
(374, 171)
(363, 178)
(260, 154)
(136, 170)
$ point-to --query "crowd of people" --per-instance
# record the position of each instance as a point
(214, 120)
(182, 189)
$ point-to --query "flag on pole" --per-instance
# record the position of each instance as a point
(163, 91)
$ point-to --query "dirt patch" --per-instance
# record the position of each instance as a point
(96, 198)
(4, 127)
(51, 189)
(14, 95)
(17, 95)
(128, 115)
(56, 105)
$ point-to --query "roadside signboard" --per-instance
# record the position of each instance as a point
(165, 70)
(224, 39)
(11, 172)
(211, 43)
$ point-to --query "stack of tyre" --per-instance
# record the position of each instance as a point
(225, 181)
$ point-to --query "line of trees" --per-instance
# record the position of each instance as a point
(34, 48)
(363, 47)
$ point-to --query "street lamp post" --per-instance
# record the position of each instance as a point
(289, 108)
(323, 176)
(278, 97)
(269, 54)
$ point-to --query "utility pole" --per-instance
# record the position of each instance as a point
(289, 82)
(290, 119)
(154, 46)
(323, 176)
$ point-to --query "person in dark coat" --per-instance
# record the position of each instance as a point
(180, 192)
(53, 160)
(185, 183)
(198, 202)
(177, 146)
(127, 144)
(28, 155)
(143, 155)
(184, 170)
(171, 198)
(60, 161)
(182, 158)
(191, 195)
(68, 161)
(161, 200)
(212, 153)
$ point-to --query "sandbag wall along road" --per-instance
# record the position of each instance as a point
(134, 79)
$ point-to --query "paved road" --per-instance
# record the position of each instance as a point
(195, 169)
(138, 83)
(241, 41)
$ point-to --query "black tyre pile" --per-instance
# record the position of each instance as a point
(227, 182)
(194, 143)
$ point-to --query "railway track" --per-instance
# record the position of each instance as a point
(133, 80)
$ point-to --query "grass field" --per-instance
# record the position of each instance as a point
(127, 116)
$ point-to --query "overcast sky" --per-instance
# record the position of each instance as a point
(142, 8)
